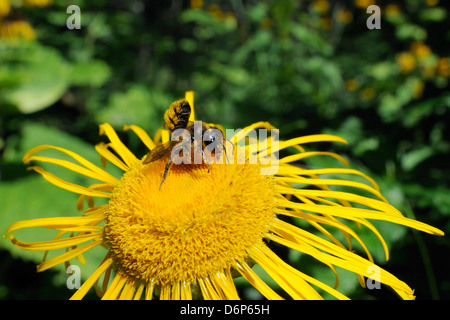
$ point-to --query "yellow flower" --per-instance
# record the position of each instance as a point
(419, 86)
(351, 84)
(5, 8)
(344, 16)
(37, 3)
(207, 222)
(432, 3)
(363, 4)
(196, 4)
(229, 18)
(428, 68)
(215, 11)
(266, 23)
(443, 67)
(321, 6)
(368, 93)
(420, 49)
(392, 10)
(16, 29)
(326, 23)
(406, 61)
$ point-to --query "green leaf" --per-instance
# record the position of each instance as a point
(411, 31)
(413, 158)
(45, 78)
(382, 71)
(433, 14)
(94, 73)
(138, 105)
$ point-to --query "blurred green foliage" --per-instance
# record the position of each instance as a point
(305, 66)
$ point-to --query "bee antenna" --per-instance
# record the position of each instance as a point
(225, 149)
(226, 155)
(231, 143)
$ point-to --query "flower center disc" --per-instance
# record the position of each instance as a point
(199, 223)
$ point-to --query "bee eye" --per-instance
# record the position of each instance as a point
(209, 140)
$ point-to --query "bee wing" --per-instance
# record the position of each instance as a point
(160, 151)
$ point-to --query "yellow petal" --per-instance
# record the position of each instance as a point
(283, 274)
(54, 244)
(310, 139)
(76, 168)
(241, 134)
(256, 282)
(65, 223)
(293, 170)
(331, 222)
(186, 291)
(165, 136)
(116, 286)
(350, 213)
(225, 283)
(128, 289)
(330, 253)
(81, 292)
(330, 182)
(145, 138)
(208, 292)
(304, 155)
(67, 256)
(102, 149)
(139, 291)
(105, 176)
(118, 146)
(189, 96)
(67, 185)
(339, 195)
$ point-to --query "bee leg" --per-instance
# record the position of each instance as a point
(166, 171)
(205, 159)
(207, 163)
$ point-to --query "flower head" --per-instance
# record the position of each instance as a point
(12, 30)
(406, 62)
(211, 220)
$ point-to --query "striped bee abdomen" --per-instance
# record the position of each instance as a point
(177, 116)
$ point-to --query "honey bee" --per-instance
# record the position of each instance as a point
(177, 117)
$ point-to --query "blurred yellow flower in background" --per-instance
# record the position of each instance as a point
(5, 8)
(215, 11)
(419, 86)
(196, 4)
(326, 23)
(37, 3)
(392, 10)
(321, 6)
(432, 3)
(368, 93)
(363, 4)
(351, 84)
(406, 62)
(344, 16)
(12, 30)
(420, 49)
(443, 67)
(266, 23)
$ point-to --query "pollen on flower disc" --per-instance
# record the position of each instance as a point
(200, 222)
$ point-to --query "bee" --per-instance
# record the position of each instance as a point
(177, 117)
